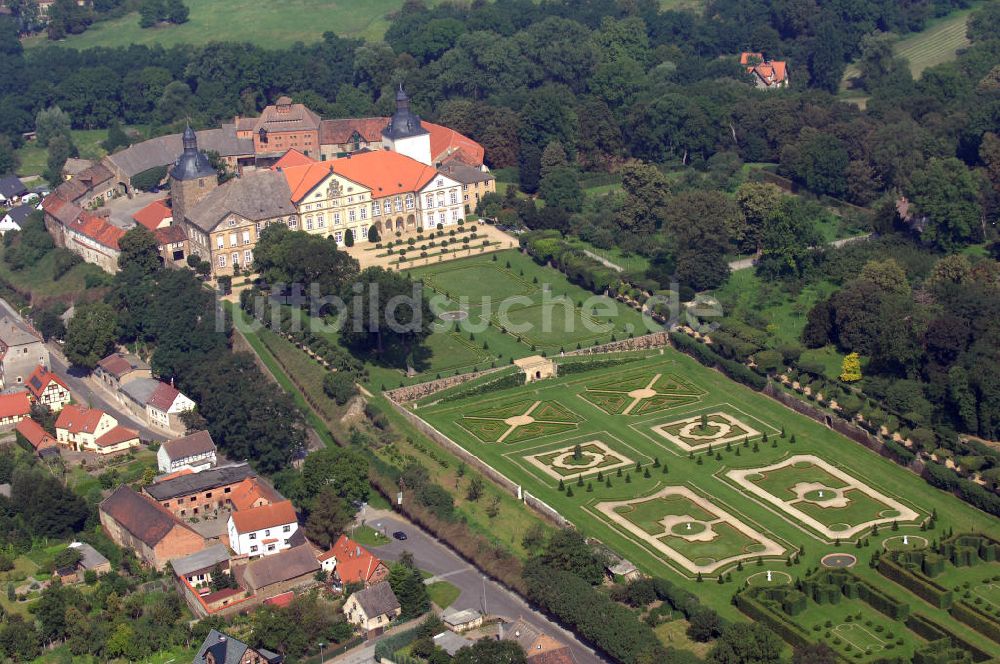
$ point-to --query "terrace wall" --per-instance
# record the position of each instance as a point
(421, 390)
(645, 342)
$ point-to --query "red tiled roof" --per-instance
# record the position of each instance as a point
(266, 516)
(282, 600)
(169, 235)
(116, 364)
(219, 595)
(79, 419)
(40, 379)
(176, 473)
(59, 208)
(354, 562)
(153, 214)
(97, 230)
(340, 131)
(12, 405)
(35, 434)
(447, 143)
(746, 56)
(292, 158)
(250, 491)
(116, 436)
(163, 397)
(385, 173)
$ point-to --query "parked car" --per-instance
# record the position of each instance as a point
(400, 535)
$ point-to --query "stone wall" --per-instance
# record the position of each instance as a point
(645, 342)
(546, 510)
(421, 390)
(835, 422)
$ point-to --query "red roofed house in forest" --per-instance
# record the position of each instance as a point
(768, 74)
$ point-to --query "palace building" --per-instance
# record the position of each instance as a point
(348, 179)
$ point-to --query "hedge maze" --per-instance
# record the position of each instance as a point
(641, 393)
(518, 421)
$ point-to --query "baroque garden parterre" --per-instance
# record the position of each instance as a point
(713, 480)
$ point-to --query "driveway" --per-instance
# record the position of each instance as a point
(478, 592)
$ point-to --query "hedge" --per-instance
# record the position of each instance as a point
(944, 478)
(927, 627)
(970, 614)
(705, 355)
(934, 593)
(787, 629)
(940, 652)
(580, 366)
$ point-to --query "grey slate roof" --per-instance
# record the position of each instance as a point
(205, 559)
(140, 389)
(20, 214)
(464, 173)
(192, 163)
(89, 556)
(11, 186)
(451, 642)
(403, 123)
(203, 481)
(256, 196)
(163, 150)
(15, 333)
(193, 444)
(227, 650)
(377, 600)
(282, 566)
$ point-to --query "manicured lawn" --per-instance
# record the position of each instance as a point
(367, 536)
(38, 279)
(629, 262)
(936, 44)
(443, 593)
(632, 436)
(268, 24)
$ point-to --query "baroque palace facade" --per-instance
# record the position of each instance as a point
(354, 180)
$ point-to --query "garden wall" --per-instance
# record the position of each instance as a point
(421, 390)
(645, 342)
(838, 424)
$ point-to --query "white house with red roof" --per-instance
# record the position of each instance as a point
(350, 562)
(92, 430)
(768, 74)
(159, 404)
(13, 408)
(47, 389)
(155, 215)
(263, 530)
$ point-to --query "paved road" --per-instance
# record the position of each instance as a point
(82, 391)
(434, 557)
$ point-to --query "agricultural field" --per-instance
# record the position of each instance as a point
(267, 24)
(715, 482)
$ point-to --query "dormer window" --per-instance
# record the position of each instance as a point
(262, 134)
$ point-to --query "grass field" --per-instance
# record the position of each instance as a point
(38, 279)
(673, 468)
(443, 594)
(939, 42)
(267, 24)
(34, 157)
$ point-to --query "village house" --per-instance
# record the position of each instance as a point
(195, 451)
(11, 190)
(157, 536)
(92, 238)
(221, 649)
(353, 563)
(158, 404)
(173, 245)
(118, 369)
(92, 430)
(190, 494)
(15, 218)
(21, 349)
(47, 389)
(264, 530)
(461, 621)
(41, 441)
(251, 493)
(767, 74)
(197, 569)
(286, 570)
(155, 215)
(475, 182)
(539, 648)
(91, 559)
(13, 408)
(372, 609)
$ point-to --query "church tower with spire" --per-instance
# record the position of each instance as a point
(405, 134)
(191, 177)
